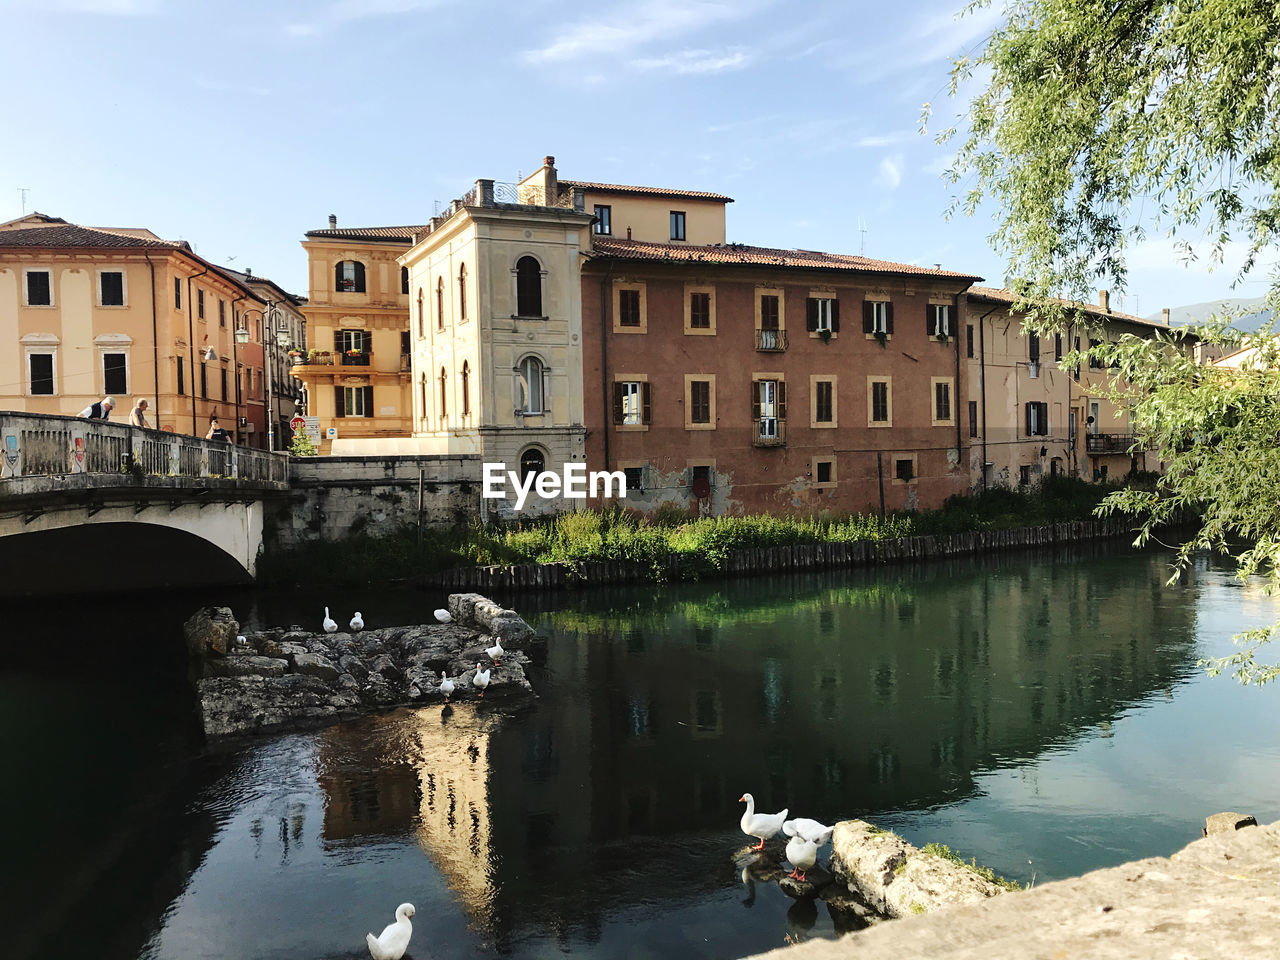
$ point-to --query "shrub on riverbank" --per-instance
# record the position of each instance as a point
(688, 548)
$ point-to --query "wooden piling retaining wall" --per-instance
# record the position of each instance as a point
(781, 559)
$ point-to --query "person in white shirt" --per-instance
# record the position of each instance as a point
(100, 410)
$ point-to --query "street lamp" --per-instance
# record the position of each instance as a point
(271, 340)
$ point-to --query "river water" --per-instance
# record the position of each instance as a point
(1042, 713)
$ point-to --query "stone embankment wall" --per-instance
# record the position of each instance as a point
(1217, 897)
(784, 559)
(337, 497)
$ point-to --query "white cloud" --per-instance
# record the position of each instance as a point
(345, 11)
(636, 25)
(890, 172)
(881, 139)
(694, 61)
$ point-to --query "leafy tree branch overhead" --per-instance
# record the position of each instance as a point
(1099, 123)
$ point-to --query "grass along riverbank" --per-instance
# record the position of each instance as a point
(669, 544)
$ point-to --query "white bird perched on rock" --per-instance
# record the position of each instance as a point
(762, 826)
(480, 680)
(446, 686)
(242, 641)
(802, 854)
(330, 625)
(395, 936)
(808, 829)
(495, 652)
(443, 615)
(357, 622)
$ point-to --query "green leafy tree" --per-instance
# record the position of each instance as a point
(1096, 125)
(301, 445)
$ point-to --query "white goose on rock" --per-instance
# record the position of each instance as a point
(446, 686)
(495, 652)
(808, 829)
(481, 680)
(394, 940)
(802, 854)
(762, 826)
(330, 625)
(357, 622)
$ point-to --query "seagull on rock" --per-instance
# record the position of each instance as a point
(762, 826)
(394, 940)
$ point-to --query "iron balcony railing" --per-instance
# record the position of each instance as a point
(771, 341)
(356, 360)
(1108, 442)
(769, 432)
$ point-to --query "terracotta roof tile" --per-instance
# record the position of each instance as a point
(72, 235)
(645, 191)
(1000, 295)
(738, 253)
(403, 234)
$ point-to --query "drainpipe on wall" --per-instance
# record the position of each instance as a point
(155, 337)
(956, 338)
(605, 398)
(982, 376)
(235, 362)
(191, 346)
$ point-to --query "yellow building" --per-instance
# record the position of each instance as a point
(496, 318)
(1027, 414)
(357, 312)
(96, 311)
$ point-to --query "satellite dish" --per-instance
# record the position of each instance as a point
(701, 488)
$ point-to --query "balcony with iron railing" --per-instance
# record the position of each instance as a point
(769, 432)
(1108, 442)
(771, 341)
(356, 358)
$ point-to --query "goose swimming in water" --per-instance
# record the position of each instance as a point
(394, 940)
(357, 622)
(481, 679)
(762, 826)
(330, 625)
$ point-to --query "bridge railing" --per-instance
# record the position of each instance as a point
(36, 445)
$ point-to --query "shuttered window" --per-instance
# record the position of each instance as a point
(629, 308)
(822, 313)
(631, 403)
(699, 401)
(38, 289)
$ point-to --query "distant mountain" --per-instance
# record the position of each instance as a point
(1251, 314)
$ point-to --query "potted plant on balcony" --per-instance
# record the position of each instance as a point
(296, 356)
(825, 335)
(882, 338)
(355, 353)
(319, 356)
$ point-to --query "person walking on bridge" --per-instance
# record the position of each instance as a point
(138, 415)
(100, 410)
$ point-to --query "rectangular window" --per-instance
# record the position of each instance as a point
(604, 219)
(677, 224)
(769, 311)
(111, 288)
(877, 317)
(939, 320)
(968, 341)
(823, 408)
(223, 373)
(904, 470)
(1033, 348)
(182, 385)
(634, 475)
(1095, 363)
(941, 401)
(769, 410)
(40, 367)
(1076, 373)
(700, 311)
(879, 401)
(222, 313)
(629, 308)
(823, 472)
(357, 401)
(630, 403)
(177, 293)
(200, 304)
(38, 289)
(1057, 347)
(822, 314)
(114, 377)
(699, 401)
(1037, 416)
(973, 418)
(204, 380)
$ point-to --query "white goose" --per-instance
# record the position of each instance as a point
(495, 652)
(808, 829)
(762, 826)
(357, 622)
(395, 936)
(480, 680)
(330, 625)
(802, 854)
(443, 615)
(446, 686)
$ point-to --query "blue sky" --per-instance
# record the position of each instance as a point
(239, 126)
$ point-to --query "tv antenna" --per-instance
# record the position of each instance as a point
(22, 192)
(862, 242)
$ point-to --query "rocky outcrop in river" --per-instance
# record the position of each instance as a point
(283, 679)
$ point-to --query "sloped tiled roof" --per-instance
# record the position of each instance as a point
(1000, 295)
(398, 234)
(644, 191)
(741, 254)
(249, 278)
(72, 235)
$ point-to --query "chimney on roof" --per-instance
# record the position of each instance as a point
(333, 221)
(1164, 316)
(248, 271)
(628, 233)
(548, 161)
(1104, 301)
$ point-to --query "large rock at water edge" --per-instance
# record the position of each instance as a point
(211, 631)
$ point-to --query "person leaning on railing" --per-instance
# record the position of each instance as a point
(138, 415)
(216, 432)
(100, 410)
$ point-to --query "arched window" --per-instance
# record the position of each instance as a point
(532, 461)
(529, 380)
(423, 388)
(444, 395)
(466, 389)
(440, 303)
(404, 280)
(348, 277)
(422, 323)
(462, 292)
(528, 287)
